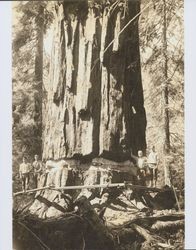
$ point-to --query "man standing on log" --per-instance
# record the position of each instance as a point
(153, 166)
(24, 172)
(37, 168)
(141, 162)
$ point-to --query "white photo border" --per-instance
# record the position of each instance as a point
(6, 123)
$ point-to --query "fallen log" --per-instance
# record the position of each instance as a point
(85, 227)
(99, 237)
(69, 231)
(55, 233)
(164, 225)
(147, 228)
(148, 221)
(146, 234)
(151, 239)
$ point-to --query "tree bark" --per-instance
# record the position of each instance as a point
(93, 92)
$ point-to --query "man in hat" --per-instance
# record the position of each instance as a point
(37, 169)
(24, 172)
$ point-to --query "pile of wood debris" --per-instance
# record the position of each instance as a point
(119, 218)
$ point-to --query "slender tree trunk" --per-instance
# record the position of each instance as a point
(165, 93)
(165, 86)
(39, 22)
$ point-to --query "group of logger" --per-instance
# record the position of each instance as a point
(147, 169)
(26, 170)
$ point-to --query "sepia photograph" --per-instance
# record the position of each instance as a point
(98, 125)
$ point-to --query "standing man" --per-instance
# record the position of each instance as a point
(37, 168)
(24, 172)
(153, 166)
(141, 162)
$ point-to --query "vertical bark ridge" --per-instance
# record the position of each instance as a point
(96, 90)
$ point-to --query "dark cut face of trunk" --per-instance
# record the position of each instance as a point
(95, 101)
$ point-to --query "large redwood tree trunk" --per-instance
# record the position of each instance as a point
(95, 102)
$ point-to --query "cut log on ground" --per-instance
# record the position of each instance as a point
(97, 204)
(96, 230)
(89, 229)
(30, 232)
(165, 225)
(148, 221)
(57, 233)
(150, 238)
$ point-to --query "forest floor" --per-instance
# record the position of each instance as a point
(135, 220)
(123, 216)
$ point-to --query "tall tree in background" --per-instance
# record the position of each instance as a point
(31, 21)
(166, 133)
(39, 23)
(165, 104)
(161, 39)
